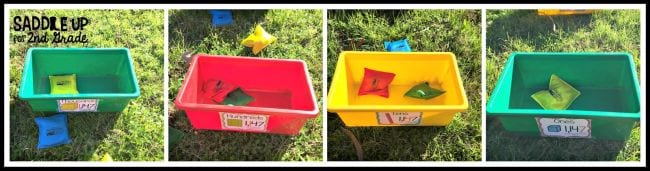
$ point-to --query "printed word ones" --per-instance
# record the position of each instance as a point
(564, 121)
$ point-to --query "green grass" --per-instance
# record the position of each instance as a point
(524, 30)
(135, 134)
(457, 31)
(299, 34)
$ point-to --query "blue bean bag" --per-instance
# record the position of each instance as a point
(397, 46)
(52, 131)
(221, 17)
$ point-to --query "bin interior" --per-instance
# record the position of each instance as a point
(98, 71)
(281, 84)
(605, 81)
(410, 69)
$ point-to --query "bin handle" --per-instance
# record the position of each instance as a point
(188, 55)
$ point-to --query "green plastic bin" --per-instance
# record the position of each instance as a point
(105, 79)
(607, 108)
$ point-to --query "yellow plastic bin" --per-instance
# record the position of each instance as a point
(438, 68)
(545, 12)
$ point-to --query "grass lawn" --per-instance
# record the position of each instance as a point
(524, 30)
(457, 31)
(135, 134)
(299, 34)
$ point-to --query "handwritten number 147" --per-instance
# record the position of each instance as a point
(254, 123)
(87, 106)
(407, 119)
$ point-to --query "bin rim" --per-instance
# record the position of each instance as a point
(80, 96)
(578, 53)
(419, 108)
(503, 110)
(566, 113)
(23, 95)
(344, 108)
(388, 53)
(245, 109)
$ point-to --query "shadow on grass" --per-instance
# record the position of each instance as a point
(192, 26)
(389, 15)
(212, 145)
(527, 25)
(355, 40)
(379, 143)
(504, 146)
(87, 131)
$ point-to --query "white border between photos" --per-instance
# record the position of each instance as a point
(325, 7)
(483, 84)
(324, 87)
(166, 86)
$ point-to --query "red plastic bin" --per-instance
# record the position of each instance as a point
(283, 95)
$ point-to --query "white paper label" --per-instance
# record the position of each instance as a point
(564, 127)
(399, 118)
(78, 105)
(240, 121)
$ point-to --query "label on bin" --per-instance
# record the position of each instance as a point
(240, 121)
(78, 105)
(399, 118)
(564, 127)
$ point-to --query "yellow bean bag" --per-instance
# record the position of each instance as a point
(258, 40)
(63, 84)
